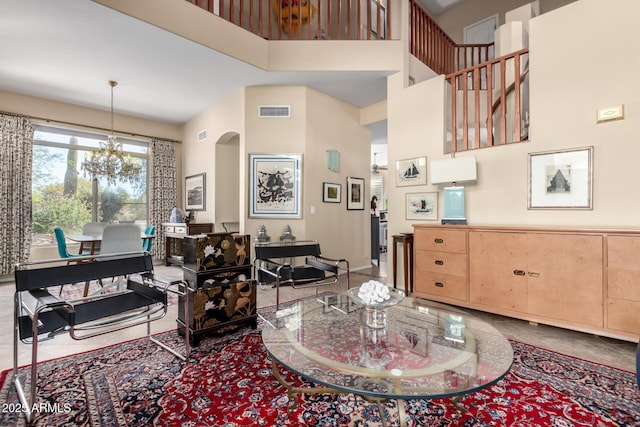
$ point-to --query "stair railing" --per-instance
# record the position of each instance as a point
(433, 47)
(489, 94)
(306, 19)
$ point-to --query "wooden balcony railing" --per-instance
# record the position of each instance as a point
(306, 19)
(489, 103)
(432, 46)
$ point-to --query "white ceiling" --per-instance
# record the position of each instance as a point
(67, 50)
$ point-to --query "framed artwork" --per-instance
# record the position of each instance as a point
(422, 206)
(195, 192)
(331, 193)
(561, 179)
(275, 186)
(411, 172)
(355, 193)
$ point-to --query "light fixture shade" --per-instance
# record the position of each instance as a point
(454, 204)
(333, 160)
(458, 170)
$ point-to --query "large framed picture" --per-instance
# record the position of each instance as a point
(422, 206)
(355, 193)
(195, 192)
(275, 186)
(331, 193)
(561, 179)
(411, 172)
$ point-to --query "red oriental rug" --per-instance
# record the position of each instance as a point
(228, 382)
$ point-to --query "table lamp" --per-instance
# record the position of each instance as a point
(453, 171)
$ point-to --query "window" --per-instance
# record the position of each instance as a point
(64, 196)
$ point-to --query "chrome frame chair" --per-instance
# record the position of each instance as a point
(39, 314)
(274, 266)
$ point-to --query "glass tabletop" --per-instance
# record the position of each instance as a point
(423, 350)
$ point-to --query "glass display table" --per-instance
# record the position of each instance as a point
(425, 350)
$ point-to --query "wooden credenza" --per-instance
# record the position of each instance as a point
(582, 279)
(174, 233)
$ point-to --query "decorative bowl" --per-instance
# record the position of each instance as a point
(395, 296)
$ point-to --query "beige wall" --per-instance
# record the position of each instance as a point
(453, 20)
(318, 122)
(222, 121)
(334, 124)
(573, 73)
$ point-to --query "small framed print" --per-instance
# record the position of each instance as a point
(561, 179)
(195, 192)
(422, 206)
(355, 193)
(411, 172)
(331, 193)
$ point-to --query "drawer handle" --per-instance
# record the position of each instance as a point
(438, 262)
(438, 240)
(519, 272)
(534, 274)
(439, 285)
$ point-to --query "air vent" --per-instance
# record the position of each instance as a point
(274, 111)
(202, 135)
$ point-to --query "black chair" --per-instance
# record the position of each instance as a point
(40, 314)
(273, 266)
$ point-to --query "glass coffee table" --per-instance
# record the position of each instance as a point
(412, 349)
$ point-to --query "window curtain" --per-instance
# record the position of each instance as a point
(16, 148)
(162, 189)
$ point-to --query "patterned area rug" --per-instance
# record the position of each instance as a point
(228, 382)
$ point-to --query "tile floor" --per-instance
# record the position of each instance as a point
(608, 351)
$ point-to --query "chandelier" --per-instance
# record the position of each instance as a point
(110, 161)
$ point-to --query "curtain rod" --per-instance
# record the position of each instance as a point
(91, 127)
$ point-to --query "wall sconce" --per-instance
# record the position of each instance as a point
(454, 171)
(333, 160)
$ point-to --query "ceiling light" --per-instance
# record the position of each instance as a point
(110, 161)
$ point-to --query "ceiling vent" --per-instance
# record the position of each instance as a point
(274, 111)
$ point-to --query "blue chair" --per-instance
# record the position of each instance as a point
(62, 246)
(64, 252)
(147, 244)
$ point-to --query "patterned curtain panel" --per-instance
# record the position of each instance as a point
(162, 189)
(16, 139)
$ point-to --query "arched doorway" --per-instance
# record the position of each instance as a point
(227, 182)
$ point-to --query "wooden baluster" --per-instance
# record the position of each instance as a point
(503, 103)
(490, 105)
(517, 114)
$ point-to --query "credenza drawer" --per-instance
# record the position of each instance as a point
(452, 241)
(443, 285)
(623, 315)
(441, 262)
(623, 252)
(623, 284)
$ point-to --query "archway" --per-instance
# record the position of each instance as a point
(227, 182)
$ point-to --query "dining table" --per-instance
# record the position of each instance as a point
(93, 240)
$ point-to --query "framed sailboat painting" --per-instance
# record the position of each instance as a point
(422, 206)
(411, 172)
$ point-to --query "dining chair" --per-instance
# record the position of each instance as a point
(147, 244)
(119, 239)
(93, 229)
(63, 251)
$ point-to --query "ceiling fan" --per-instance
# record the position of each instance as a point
(376, 168)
